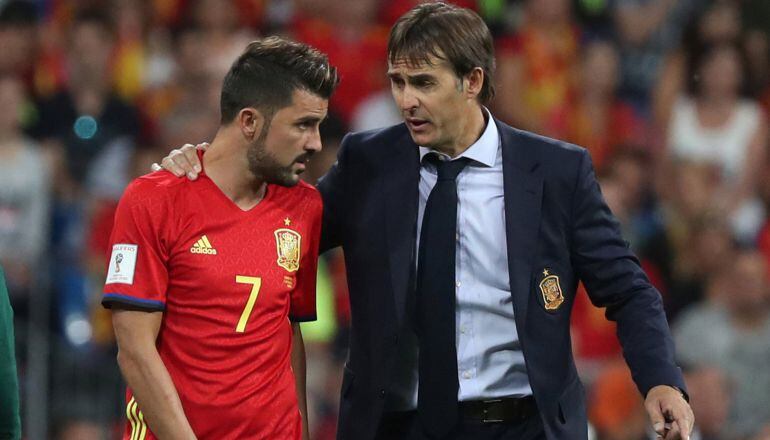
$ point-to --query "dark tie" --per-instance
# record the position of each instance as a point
(435, 312)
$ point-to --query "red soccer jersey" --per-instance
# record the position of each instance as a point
(228, 282)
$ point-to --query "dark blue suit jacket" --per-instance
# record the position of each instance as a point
(555, 218)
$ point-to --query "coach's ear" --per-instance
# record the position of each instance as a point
(250, 121)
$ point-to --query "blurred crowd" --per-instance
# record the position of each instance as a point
(669, 96)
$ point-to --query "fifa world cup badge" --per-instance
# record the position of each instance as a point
(118, 260)
(551, 291)
(288, 244)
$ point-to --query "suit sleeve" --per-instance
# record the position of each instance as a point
(303, 297)
(614, 279)
(333, 187)
(137, 276)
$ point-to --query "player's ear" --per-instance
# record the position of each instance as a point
(250, 121)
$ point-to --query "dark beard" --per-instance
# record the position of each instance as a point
(264, 166)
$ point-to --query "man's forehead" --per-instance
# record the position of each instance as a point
(429, 65)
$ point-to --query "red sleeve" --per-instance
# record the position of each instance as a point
(303, 296)
(137, 276)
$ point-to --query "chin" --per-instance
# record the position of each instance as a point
(288, 180)
(422, 139)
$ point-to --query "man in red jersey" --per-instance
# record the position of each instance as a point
(208, 279)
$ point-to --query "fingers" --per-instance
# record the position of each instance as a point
(191, 154)
(202, 146)
(674, 433)
(656, 417)
(155, 167)
(178, 163)
(684, 418)
(168, 163)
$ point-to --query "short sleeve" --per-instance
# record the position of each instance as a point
(303, 297)
(137, 275)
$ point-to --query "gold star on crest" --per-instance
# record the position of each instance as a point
(545, 272)
(286, 221)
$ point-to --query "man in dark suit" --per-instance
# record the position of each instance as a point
(464, 242)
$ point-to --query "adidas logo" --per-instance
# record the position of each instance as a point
(203, 246)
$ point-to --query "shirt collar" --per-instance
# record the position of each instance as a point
(483, 151)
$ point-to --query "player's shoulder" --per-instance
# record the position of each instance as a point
(154, 186)
(304, 191)
(301, 196)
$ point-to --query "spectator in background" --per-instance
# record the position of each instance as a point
(535, 65)
(356, 44)
(591, 115)
(18, 33)
(24, 196)
(763, 241)
(87, 123)
(710, 394)
(647, 31)
(192, 84)
(732, 332)
(756, 40)
(91, 134)
(715, 124)
(223, 33)
(615, 407)
(704, 250)
(718, 24)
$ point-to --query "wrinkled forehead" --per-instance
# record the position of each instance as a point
(425, 64)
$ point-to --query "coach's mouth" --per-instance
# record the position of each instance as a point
(416, 124)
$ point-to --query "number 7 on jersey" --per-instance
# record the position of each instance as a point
(256, 283)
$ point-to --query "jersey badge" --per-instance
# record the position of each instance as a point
(122, 264)
(551, 290)
(287, 243)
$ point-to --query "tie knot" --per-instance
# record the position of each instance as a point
(449, 169)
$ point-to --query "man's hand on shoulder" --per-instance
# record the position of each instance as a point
(669, 412)
(183, 161)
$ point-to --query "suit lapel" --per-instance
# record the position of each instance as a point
(401, 195)
(523, 187)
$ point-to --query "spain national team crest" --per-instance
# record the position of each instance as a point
(287, 244)
(551, 290)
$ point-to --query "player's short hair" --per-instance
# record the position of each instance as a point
(446, 32)
(269, 71)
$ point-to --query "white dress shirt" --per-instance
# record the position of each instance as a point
(490, 363)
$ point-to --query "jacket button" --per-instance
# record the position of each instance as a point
(382, 393)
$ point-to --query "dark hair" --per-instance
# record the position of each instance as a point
(94, 17)
(704, 54)
(269, 71)
(18, 13)
(447, 32)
